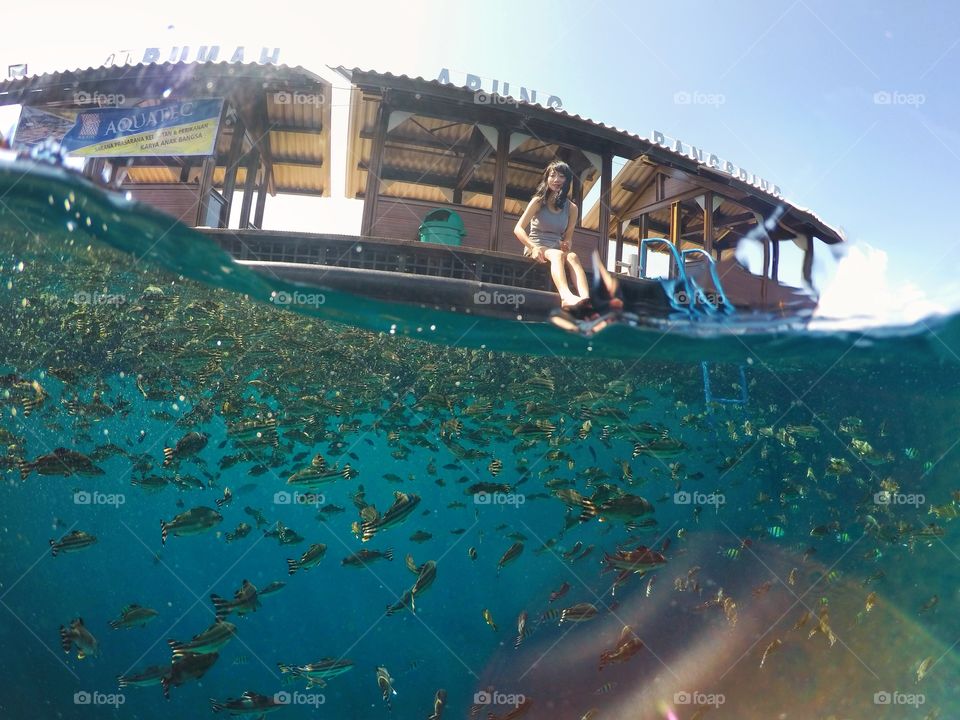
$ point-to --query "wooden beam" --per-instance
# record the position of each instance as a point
(299, 163)
(557, 130)
(499, 187)
(721, 219)
(314, 130)
(665, 203)
(477, 150)
(606, 180)
(638, 196)
(373, 172)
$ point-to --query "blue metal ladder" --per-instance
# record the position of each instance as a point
(684, 292)
(722, 304)
(708, 397)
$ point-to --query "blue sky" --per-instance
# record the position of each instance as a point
(794, 91)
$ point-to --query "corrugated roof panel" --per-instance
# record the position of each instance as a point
(299, 179)
(152, 174)
(307, 110)
(413, 191)
(220, 172)
(297, 146)
(148, 74)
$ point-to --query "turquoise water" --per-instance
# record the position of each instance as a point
(780, 521)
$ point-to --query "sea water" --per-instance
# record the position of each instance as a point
(810, 554)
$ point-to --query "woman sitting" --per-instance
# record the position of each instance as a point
(552, 218)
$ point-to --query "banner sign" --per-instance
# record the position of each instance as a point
(36, 125)
(173, 127)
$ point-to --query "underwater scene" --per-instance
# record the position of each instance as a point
(218, 502)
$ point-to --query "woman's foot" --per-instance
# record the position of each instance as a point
(571, 301)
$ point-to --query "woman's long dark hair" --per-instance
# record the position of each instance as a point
(543, 190)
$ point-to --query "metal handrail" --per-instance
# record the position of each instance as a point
(682, 300)
(723, 303)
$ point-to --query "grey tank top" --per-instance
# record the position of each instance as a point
(547, 227)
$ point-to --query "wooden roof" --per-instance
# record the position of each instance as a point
(286, 110)
(435, 130)
(633, 188)
(440, 139)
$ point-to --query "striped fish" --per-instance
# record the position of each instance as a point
(521, 629)
(72, 542)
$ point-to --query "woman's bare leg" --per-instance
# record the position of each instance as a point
(559, 275)
(583, 287)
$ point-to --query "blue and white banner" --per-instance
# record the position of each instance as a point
(174, 127)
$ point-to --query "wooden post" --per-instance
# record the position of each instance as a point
(763, 276)
(206, 179)
(675, 234)
(606, 179)
(230, 178)
(619, 250)
(808, 261)
(775, 270)
(373, 171)
(708, 223)
(253, 163)
(206, 183)
(644, 233)
(499, 187)
(93, 169)
(578, 184)
(261, 199)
